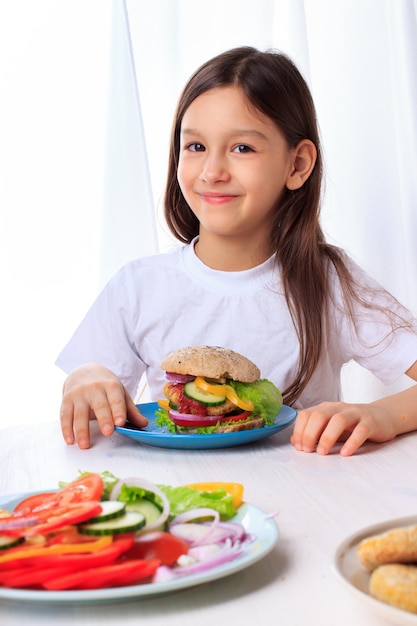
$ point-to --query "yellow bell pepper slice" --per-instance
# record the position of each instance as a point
(234, 489)
(58, 548)
(164, 404)
(216, 390)
(224, 390)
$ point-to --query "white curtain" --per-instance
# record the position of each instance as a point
(87, 94)
(360, 59)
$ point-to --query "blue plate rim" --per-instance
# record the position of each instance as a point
(285, 418)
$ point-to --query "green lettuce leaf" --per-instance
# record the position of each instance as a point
(184, 499)
(265, 396)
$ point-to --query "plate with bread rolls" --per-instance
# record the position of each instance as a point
(379, 565)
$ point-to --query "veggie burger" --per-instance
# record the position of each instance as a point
(212, 389)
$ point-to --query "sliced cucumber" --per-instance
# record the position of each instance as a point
(205, 397)
(127, 523)
(9, 542)
(149, 509)
(111, 509)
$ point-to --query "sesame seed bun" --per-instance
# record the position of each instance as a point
(211, 362)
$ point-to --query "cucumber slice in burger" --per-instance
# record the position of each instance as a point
(205, 397)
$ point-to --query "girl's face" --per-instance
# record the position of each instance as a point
(234, 164)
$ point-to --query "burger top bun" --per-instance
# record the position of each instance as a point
(211, 362)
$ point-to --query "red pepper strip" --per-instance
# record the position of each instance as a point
(59, 548)
(33, 577)
(91, 559)
(118, 574)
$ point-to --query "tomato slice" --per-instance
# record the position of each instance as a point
(157, 545)
(88, 487)
(57, 517)
(188, 420)
(31, 502)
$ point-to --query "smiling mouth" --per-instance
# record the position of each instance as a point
(217, 198)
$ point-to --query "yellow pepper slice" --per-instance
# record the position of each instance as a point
(224, 390)
(234, 489)
(58, 548)
(164, 404)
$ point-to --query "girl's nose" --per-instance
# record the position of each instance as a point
(214, 169)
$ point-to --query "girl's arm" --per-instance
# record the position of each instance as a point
(94, 392)
(320, 427)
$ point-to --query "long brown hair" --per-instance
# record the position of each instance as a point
(274, 86)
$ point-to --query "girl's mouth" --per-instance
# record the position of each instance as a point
(217, 198)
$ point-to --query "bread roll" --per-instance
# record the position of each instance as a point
(211, 362)
(398, 545)
(395, 584)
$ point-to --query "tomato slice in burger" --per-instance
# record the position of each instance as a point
(186, 420)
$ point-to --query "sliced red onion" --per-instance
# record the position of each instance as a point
(147, 486)
(233, 530)
(200, 553)
(198, 534)
(193, 514)
(12, 523)
(195, 534)
(228, 553)
(189, 417)
(163, 574)
(178, 378)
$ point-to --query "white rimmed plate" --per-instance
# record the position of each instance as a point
(153, 435)
(255, 522)
(355, 577)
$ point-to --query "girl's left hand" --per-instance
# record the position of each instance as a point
(320, 427)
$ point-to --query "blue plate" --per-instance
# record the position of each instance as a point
(153, 435)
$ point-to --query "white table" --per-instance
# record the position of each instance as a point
(320, 501)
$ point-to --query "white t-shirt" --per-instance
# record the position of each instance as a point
(157, 304)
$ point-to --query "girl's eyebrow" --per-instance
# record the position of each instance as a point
(235, 132)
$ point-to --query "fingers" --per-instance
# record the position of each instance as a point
(133, 414)
(321, 427)
(106, 403)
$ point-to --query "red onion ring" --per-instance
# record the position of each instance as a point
(12, 523)
(178, 378)
(187, 516)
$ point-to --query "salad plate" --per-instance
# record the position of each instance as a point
(355, 578)
(153, 435)
(257, 523)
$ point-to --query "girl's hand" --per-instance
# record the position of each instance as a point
(322, 426)
(94, 392)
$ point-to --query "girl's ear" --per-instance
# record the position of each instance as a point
(304, 160)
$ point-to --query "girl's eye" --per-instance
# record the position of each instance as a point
(195, 147)
(242, 149)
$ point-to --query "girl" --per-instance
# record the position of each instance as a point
(255, 273)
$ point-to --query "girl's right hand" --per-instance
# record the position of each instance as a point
(94, 392)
